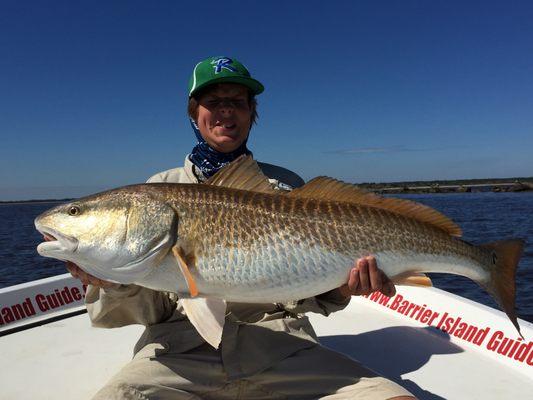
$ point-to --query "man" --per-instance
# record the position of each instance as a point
(268, 351)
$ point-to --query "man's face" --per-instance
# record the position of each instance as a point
(224, 116)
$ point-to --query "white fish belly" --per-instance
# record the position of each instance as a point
(272, 274)
(395, 263)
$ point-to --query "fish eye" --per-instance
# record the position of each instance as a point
(74, 210)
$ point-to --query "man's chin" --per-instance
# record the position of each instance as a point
(227, 144)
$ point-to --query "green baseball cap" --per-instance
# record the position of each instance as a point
(222, 70)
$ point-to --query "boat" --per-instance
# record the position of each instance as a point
(434, 343)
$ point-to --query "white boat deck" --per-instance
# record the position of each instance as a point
(68, 359)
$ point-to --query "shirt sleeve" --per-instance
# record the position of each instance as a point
(324, 303)
(126, 305)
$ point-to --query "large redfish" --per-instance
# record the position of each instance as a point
(237, 239)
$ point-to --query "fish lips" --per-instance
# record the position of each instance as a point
(57, 244)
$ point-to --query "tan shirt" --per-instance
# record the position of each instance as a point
(255, 336)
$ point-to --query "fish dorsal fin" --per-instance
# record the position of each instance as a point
(242, 173)
(324, 188)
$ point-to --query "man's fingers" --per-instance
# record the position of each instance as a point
(85, 278)
(100, 283)
(364, 282)
(91, 280)
(375, 276)
(73, 269)
(388, 286)
(366, 278)
(353, 281)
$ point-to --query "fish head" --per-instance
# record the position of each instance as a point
(119, 235)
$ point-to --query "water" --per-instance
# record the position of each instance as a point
(19, 260)
(484, 217)
(487, 217)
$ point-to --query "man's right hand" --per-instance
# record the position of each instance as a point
(86, 278)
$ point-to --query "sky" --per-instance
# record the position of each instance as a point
(93, 93)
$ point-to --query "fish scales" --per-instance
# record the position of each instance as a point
(249, 239)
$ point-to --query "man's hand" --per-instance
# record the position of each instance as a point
(87, 279)
(366, 278)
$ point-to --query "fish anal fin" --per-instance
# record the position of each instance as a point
(412, 280)
(242, 173)
(324, 188)
(184, 260)
(208, 316)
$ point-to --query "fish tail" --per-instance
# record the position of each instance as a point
(505, 257)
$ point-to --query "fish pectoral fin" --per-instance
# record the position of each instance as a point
(184, 268)
(207, 315)
(412, 280)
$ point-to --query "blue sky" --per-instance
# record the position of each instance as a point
(93, 94)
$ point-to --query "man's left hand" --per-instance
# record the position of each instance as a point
(366, 278)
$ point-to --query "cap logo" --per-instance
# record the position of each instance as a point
(223, 62)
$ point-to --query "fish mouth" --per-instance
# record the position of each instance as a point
(55, 243)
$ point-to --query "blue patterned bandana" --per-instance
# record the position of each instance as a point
(208, 160)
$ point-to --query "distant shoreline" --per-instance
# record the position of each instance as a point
(33, 201)
(505, 185)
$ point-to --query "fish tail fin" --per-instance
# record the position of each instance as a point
(505, 255)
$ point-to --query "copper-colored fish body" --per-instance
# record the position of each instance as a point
(236, 238)
(246, 239)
